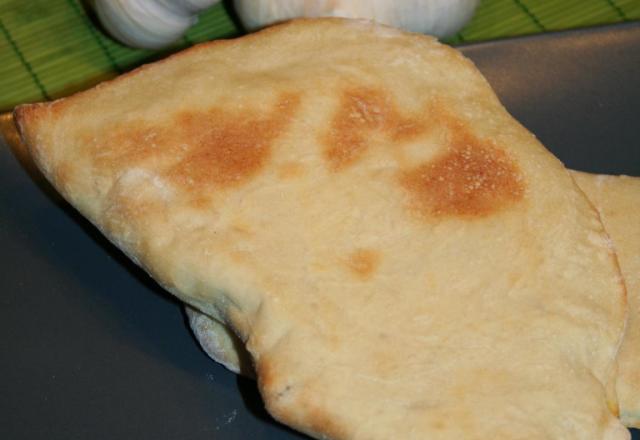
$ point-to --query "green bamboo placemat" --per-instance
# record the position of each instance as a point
(50, 48)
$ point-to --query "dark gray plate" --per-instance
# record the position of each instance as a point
(91, 348)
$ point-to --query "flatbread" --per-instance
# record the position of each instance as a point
(617, 199)
(401, 258)
(220, 343)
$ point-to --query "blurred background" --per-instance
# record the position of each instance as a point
(51, 48)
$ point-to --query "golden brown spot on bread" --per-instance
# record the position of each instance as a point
(204, 148)
(362, 112)
(471, 178)
(229, 148)
(133, 143)
(363, 262)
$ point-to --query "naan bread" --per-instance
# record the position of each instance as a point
(220, 343)
(401, 257)
(617, 199)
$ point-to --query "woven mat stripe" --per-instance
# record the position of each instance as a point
(575, 13)
(499, 19)
(95, 34)
(23, 61)
(617, 8)
(631, 8)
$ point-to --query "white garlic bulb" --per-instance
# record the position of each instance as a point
(441, 18)
(149, 24)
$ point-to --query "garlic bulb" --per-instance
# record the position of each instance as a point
(149, 24)
(441, 18)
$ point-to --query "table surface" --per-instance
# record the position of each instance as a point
(50, 48)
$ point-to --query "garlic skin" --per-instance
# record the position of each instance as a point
(441, 18)
(149, 24)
